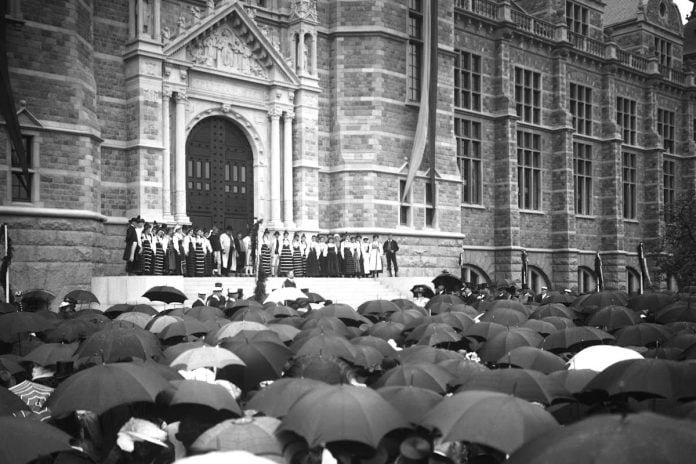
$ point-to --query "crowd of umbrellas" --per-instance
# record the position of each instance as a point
(599, 378)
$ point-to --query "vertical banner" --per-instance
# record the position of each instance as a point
(524, 270)
(6, 259)
(645, 280)
(432, 97)
(599, 272)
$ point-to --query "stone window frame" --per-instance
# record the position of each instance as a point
(669, 176)
(582, 169)
(405, 207)
(629, 182)
(529, 170)
(580, 100)
(528, 87)
(577, 18)
(663, 51)
(467, 270)
(414, 53)
(626, 119)
(587, 281)
(468, 67)
(665, 127)
(469, 159)
(537, 278)
(33, 150)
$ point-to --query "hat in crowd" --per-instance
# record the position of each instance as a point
(218, 287)
(231, 293)
(67, 301)
(201, 294)
(276, 234)
(140, 430)
(139, 220)
(414, 450)
(544, 288)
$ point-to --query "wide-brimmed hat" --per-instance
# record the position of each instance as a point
(140, 430)
(218, 287)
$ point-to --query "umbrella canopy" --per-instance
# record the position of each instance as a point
(614, 439)
(528, 357)
(575, 338)
(424, 290)
(475, 416)
(593, 302)
(279, 311)
(204, 313)
(504, 316)
(523, 383)
(559, 322)
(115, 310)
(448, 281)
(457, 320)
(412, 402)
(387, 330)
(613, 317)
(403, 303)
(599, 357)
(484, 330)
(255, 435)
(25, 440)
(70, 330)
(541, 327)
(263, 353)
(327, 324)
(199, 393)
(646, 334)
(102, 387)
(367, 356)
(324, 344)
(342, 413)
(82, 296)
(553, 309)
(502, 343)
(113, 345)
(206, 356)
(407, 317)
(445, 298)
(287, 333)
(461, 369)
(7, 308)
(341, 311)
(428, 354)
(285, 294)
(10, 403)
(37, 295)
(276, 399)
(647, 378)
(433, 333)
(561, 297)
(423, 375)
(14, 324)
(377, 343)
(682, 310)
(223, 457)
(575, 380)
(233, 328)
(139, 319)
(158, 323)
(652, 302)
(377, 307)
(145, 309)
(166, 294)
(49, 354)
(183, 328)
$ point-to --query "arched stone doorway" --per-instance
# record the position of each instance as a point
(219, 175)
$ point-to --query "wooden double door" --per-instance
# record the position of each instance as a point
(219, 176)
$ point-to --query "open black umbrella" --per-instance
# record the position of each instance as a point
(38, 295)
(425, 290)
(166, 294)
(448, 281)
(25, 440)
(82, 296)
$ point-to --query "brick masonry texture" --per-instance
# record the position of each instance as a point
(102, 152)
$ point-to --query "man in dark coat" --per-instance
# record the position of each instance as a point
(131, 253)
(217, 299)
(390, 248)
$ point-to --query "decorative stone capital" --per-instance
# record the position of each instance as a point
(167, 92)
(304, 9)
(289, 115)
(181, 97)
(274, 113)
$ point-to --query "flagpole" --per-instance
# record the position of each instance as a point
(432, 95)
(7, 271)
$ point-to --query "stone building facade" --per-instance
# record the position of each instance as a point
(563, 127)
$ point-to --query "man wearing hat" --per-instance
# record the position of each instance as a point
(200, 301)
(543, 297)
(132, 249)
(217, 299)
(67, 305)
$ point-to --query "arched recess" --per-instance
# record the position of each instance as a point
(537, 278)
(632, 280)
(474, 275)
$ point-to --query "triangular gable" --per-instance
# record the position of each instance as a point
(28, 120)
(230, 40)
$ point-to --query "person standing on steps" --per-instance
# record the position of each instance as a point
(390, 248)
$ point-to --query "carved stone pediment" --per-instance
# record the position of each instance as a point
(223, 49)
(304, 9)
(228, 40)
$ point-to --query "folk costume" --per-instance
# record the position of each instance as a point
(347, 259)
(265, 256)
(286, 262)
(297, 259)
(332, 267)
(312, 261)
(375, 258)
(148, 253)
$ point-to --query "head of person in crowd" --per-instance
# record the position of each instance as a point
(303, 238)
(331, 239)
(296, 237)
(229, 230)
(147, 228)
(352, 239)
(140, 222)
(67, 305)
(286, 234)
(239, 235)
(266, 234)
(161, 231)
(375, 237)
(199, 232)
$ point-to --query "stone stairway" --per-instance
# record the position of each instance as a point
(340, 290)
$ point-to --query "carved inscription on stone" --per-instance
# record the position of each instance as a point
(224, 50)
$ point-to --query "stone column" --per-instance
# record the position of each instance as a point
(274, 114)
(180, 164)
(288, 179)
(157, 20)
(132, 19)
(141, 18)
(301, 65)
(313, 53)
(166, 156)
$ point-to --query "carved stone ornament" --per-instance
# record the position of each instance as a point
(304, 9)
(226, 51)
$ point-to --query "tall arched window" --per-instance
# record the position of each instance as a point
(632, 280)
(586, 280)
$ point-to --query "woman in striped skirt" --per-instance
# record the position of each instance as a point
(265, 255)
(297, 256)
(160, 248)
(148, 254)
(285, 265)
(200, 250)
(304, 251)
(190, 249)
